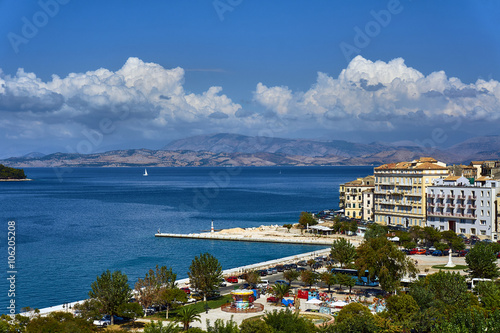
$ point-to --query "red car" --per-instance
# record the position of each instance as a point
(413, 251)
(232, 279)
(272, 299)
(186, 290)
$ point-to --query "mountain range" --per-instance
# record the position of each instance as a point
(224, 149)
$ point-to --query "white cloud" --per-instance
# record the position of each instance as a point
(384, 94)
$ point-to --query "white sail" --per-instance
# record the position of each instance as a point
(145, 172)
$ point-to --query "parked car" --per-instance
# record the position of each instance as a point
(281, 282)
(420, 251)
(274, 270)
(262, 272)
(186, 290)
(232, 279)
(302, 263)
(272, 299)
(437, 253)
(242, 276)
(294, 266)
(498, 255)
(300, 269)
(269, 271)
(223, 284)
(102, 322)
(263, 284)
(412, 251)
(463, 253)
(280, 268)
(196, 296)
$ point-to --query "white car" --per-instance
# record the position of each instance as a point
(263, 284)
(102, 322)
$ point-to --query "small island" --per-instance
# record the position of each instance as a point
(7, 173)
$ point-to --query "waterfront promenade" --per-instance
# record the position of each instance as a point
(266, 234)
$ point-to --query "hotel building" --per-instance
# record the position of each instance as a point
(399, 194)
(466, 207)
(351, 196)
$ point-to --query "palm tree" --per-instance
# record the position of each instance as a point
(188, 315)
(291, 275)
(328, 278)
(280, 290)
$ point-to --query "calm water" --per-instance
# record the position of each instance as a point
(72, 227)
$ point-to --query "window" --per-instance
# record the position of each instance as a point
(483, 232)
(483, 222)
(473, 231)
(482, 192)
(441, 227)
(482, 203)
(462, 230)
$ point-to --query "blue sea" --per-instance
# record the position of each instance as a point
(72, 224)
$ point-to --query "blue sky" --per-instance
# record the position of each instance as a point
(133, 74)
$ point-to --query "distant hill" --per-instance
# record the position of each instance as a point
(239, 150)
(235, 143)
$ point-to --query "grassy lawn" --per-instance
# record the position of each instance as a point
(198, 306)
(457, 267)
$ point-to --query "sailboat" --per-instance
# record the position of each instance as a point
(145, 172)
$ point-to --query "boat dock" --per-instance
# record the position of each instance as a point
(252, 238)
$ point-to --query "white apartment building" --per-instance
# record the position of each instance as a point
(368, 205)
(453, 203)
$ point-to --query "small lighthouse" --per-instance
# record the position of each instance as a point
(212, 227)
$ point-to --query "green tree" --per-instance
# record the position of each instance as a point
(375, 230)
(150, 288)
(255, 326)
(288, 322)
(309, 278)
(355, 317)
(401, 309)
(291, 275)
(383, 259)
(442, 290)
(222, 326)
(131, 310)
(469, 320)
(482, 261)
(90, 309)
(431, 235)
(252, 278)
(328, 278)
(111, 290)
(280, 290)
(489, 294)
(205, 273)
(345, 280)
(311, 263)
(170, 298)
(343, 251)
(62, 322)
(288, 227)
(306, 219)
(187, 315)
(452, 240)
(157, 327)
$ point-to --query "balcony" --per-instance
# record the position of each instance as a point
(435, 213)
(470, 216)
(461, 206)
(472, 206)
(471, 197)
(440, 204)
(440, 196)
(461, 197)
(431, 204)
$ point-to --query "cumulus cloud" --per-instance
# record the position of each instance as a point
(140, 92)
(384, 94)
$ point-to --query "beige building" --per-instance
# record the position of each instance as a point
(367, 213)
(467, 171)
(351, 196)
(399, 194)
